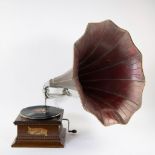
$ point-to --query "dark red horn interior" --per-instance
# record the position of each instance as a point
(108, 72)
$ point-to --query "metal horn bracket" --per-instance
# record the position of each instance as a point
(49, 95)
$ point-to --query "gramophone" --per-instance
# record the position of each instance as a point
(107, 73)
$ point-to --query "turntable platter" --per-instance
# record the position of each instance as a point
(40, 112)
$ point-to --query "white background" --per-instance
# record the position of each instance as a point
(36, 44)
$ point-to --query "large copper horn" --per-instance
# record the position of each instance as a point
(107, 73)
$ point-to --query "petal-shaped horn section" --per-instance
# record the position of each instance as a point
(107, 73)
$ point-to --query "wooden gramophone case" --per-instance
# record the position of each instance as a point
(40, 133)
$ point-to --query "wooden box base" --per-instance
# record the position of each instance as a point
(40, 133)
(48, 143)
